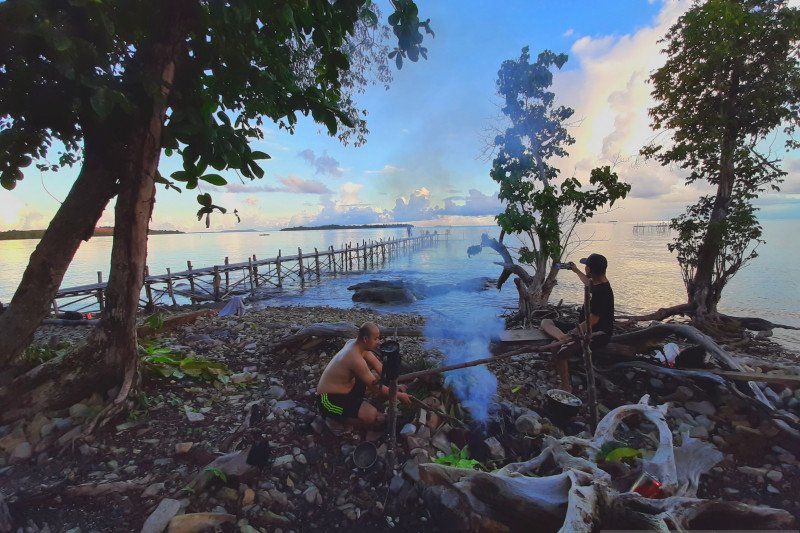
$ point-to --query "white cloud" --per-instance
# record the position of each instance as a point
(569, 33)
(387, 169)
(611, 96)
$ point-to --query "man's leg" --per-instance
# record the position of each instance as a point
(561, 355)
(561, 359)
(369, 416)
(549, 327)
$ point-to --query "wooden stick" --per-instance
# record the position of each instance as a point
(392, 427)
(587, 356)
(500, 358)
(444, 415)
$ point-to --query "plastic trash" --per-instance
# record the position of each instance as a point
(668, 356)
(235, 307)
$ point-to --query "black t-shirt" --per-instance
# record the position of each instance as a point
(602, 305)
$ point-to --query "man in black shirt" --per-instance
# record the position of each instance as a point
(601, 317)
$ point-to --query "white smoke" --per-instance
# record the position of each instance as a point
(471, 333)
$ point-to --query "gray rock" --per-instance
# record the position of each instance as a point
(751, 471)
(773, 490)
(385, 295)
(193, 416)
(704, 408)
(283, 460)
(774, 476)
(62, 424)
(396, 484)
(286, 405)
(496, 450)
(80, 410)
(159, 519)
(312, 495)
(656, 383)
(529, 424)
(152, 490)
(699, 432)
(22, 452)
(408, 429)
(275, 392)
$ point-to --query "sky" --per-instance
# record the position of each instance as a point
(428, 154)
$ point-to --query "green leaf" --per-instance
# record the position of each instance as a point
(204, 199)
(214, 179)
(257, 154)
(623, 453)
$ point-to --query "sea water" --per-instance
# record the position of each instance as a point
(644, 275)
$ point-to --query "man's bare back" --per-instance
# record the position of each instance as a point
(350, 363)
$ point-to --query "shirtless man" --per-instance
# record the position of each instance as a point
(351, 372)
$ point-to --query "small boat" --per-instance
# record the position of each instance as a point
(263, 234)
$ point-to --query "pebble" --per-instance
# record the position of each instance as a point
(275, 392)
(408, 429)
(704, 408)
(528, 424)
(80, 410)
(183, 447)
(193, 416)
(751, 471)
(774, 476)
(699, 432)
(283, 460)
(22, 452)
(152, 490)
(159, 519)
(773, 490)
(312, 495)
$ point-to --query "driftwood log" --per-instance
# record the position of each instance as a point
(582, 497)
(335, 330)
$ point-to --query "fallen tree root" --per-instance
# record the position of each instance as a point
(582, 497)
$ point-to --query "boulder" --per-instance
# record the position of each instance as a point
(385, 295)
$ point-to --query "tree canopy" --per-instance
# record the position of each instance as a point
(69, 67)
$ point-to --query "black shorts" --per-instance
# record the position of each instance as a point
(598, 343)
(342, 406)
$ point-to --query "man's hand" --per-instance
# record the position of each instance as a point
(402, 388)
(403, 397)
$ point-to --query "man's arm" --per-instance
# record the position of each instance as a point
(583, 277)
(365, 375)
(373, 362)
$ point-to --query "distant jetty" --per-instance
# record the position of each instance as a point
(339, 226)
(15, 234)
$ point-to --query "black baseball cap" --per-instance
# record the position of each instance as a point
(597, 263)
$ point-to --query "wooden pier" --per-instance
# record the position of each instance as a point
(651, 227)
(220, 282)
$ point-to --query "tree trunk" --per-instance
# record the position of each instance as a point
(74, 221)
(702, 292)
(135, 205)
(111, 356)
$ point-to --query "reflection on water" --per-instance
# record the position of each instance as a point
(644, 274)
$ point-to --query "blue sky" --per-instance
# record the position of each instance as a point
(425, 158)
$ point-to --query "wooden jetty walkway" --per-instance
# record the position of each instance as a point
(220, 282)
(651, 227)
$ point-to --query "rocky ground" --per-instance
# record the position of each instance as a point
(178, 425)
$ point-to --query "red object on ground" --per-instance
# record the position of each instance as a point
(647, 486)
(88, 316)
